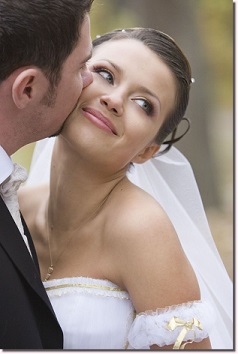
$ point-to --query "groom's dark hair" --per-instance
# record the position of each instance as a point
(42, 33)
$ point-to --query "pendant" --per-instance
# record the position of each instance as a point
(50, 271)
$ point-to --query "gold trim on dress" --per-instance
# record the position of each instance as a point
(93, 286)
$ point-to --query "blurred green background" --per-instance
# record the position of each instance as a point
(204, 31)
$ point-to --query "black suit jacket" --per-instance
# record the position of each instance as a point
(27, 320)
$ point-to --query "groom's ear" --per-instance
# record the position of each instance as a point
(29, 84)
(146, 154)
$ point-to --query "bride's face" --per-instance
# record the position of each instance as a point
(120, 113)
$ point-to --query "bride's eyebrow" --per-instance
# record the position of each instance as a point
(115, 66)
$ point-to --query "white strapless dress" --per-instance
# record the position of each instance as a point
(96, 314)
(93, 314)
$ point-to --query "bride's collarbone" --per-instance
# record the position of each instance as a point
(83, 256)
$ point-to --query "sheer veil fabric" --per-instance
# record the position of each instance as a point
(170, 180)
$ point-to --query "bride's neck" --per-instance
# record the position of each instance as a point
(78, 192)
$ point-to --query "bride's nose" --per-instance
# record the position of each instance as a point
(113, 102)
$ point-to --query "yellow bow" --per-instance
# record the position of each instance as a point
(187, 326)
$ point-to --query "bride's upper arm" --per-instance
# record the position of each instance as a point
(153, 266)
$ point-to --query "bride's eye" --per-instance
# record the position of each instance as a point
(106, 74)
(145, 105)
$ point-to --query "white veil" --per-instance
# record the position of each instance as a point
(170, 180)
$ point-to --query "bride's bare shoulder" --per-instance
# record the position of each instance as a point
(137, 215)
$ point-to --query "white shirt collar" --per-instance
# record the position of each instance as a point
(6, 165)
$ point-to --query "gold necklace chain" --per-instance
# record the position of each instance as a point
(52, 265)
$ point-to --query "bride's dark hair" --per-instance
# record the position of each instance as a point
(168, 51)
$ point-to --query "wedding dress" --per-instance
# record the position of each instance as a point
(96, 314)
(85, 305)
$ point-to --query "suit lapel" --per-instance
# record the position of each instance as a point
(12, 241)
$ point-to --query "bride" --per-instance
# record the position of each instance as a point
(127, 268)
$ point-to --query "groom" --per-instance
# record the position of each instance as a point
(44, 46)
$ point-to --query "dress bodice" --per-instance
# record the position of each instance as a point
(93, 313)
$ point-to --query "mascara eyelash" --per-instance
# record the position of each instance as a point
(150, 109)
(98, 69)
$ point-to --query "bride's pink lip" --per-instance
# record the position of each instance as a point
(99, 120)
